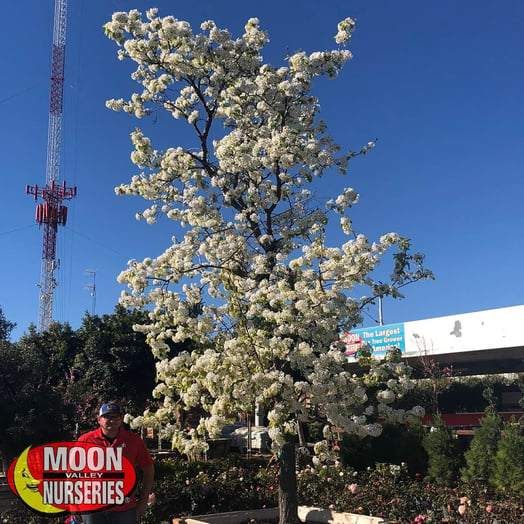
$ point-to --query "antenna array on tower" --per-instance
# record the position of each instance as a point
(52, 212)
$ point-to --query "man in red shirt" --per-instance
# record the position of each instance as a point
(112, 434)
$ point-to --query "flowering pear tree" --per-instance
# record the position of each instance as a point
(250, 280)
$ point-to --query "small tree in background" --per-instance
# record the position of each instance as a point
(508, 470)
(435, 377)
(444, 456)
(52, 382)
(30, 407)
(480, 457)
(251, 281)
(6, 327)
(115, 363)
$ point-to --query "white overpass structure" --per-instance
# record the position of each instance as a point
(484, 342)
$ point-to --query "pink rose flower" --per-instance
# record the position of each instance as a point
(462, 509)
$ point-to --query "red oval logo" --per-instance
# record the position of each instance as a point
(71, 477)
(352, 342)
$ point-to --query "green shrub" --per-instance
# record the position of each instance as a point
(444, 454)
(195, 488)
(396, 445)
(480, 457)
(509, 459)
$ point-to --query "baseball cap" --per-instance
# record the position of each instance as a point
(109, 408)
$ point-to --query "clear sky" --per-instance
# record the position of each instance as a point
(440, 84)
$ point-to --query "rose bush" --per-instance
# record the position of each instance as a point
(237, 483)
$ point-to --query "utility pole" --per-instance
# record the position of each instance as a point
(92, 289)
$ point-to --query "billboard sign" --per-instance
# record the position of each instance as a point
(381, 339)
(467, 332)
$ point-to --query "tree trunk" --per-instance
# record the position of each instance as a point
(287, 491)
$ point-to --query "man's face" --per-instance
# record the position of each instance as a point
(110, 424)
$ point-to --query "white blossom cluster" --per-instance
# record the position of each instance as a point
(252, 284)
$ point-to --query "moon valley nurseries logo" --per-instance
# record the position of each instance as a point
(71, 477)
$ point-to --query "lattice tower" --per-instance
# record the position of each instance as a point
(52, 213)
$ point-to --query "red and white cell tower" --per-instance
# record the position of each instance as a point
(52, 213)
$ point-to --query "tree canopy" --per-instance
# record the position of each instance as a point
(53, 382)
(6, 327)
(251, 280)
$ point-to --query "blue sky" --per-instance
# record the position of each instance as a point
(440, 84)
